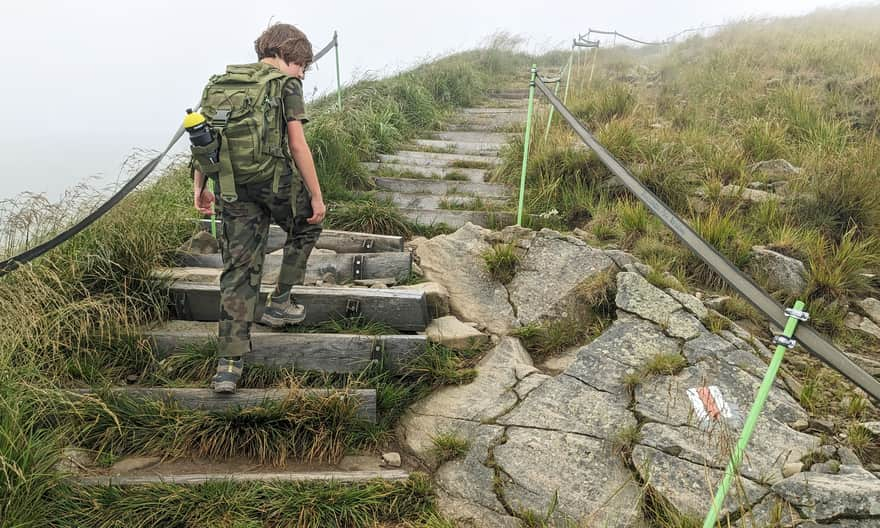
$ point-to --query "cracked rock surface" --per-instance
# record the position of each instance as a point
(582, 446)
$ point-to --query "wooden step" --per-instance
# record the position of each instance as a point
(439, 173)
(443, 187)
(341, 353)
(342, 265)
(471, 137)
(338, 241)
(456, 219)
(461, 147)
(193, 479)
(414, 157)
(204, 399)
(434, 201)
(400, 309)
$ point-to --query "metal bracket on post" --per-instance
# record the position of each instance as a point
(368, 243)
(357, 267)
(787, 342)
(352, 308)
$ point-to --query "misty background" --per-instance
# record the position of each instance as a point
(85, 84)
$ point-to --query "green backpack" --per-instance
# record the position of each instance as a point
(244, 109)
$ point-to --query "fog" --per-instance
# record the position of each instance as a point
(85, 83)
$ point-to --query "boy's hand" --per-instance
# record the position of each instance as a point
(204, 201)
(318, 211)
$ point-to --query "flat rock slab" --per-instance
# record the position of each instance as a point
(440, 173)
(400, 309)
(339, 241)
(207, 400)
(450, 332)
(592, 487)
(825, 497)
(549, 276)
(285, 476)
(636, 295)
(456, 219)
(443, 188)
(342, 353)
(488, 396)
(690, 487)
(455, 261)
(565, 404)
(624, 348)
(343, 266)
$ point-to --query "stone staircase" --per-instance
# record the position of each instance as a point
(443, 178)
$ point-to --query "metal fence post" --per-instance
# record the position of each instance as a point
(338, 78)
(522, 180)
(784, 341)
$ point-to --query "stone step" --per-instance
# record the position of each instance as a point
(509, 94)
(205, 399)
(439, 173)
(433, 201)
(471, 137)
(443, 187)
(338, 241)
(461, 147)
(436, 159)
(456, 219)
(486, 126)
(192, 479)
(340, 353)
(345, 267)
(400, 309)
(492, 111)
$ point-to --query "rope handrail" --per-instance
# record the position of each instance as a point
(24, 257)
(621, 35)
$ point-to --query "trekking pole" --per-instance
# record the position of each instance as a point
(782, 342)
(522, 180)
(338, 79)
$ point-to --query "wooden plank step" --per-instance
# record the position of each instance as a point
(443, 187)
(461, 147)
(433, 201)
(404, 310)
(414, 157)
(342, 265)
(456, 219)
(278, 476)
(338, 241)
(440, 173)
(473, 137)
(205, 399)
(341, 353)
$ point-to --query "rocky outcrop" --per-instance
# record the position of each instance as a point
(781, 272)
(450, 332)
(582, 446)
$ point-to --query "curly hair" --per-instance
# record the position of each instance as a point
(284, 41)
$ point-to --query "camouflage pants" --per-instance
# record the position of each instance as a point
(243, 237)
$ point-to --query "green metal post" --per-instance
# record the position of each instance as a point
(522, 180)
(593, 68)
(552, 108)
(749, 426)
(213, 215)
(567, 78)
(338, 78)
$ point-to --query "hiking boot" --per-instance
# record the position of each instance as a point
(282, 311)
(227, 376)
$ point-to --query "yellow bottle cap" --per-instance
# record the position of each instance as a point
(193, 119)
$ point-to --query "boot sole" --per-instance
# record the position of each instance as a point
(224, 387)
(277, 322)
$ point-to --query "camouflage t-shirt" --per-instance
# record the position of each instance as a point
(294, 105)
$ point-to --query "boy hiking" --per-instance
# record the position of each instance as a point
(256, 113)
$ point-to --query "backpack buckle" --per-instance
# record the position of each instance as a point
(221, 117)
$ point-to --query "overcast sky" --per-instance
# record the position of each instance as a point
(85, 82)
